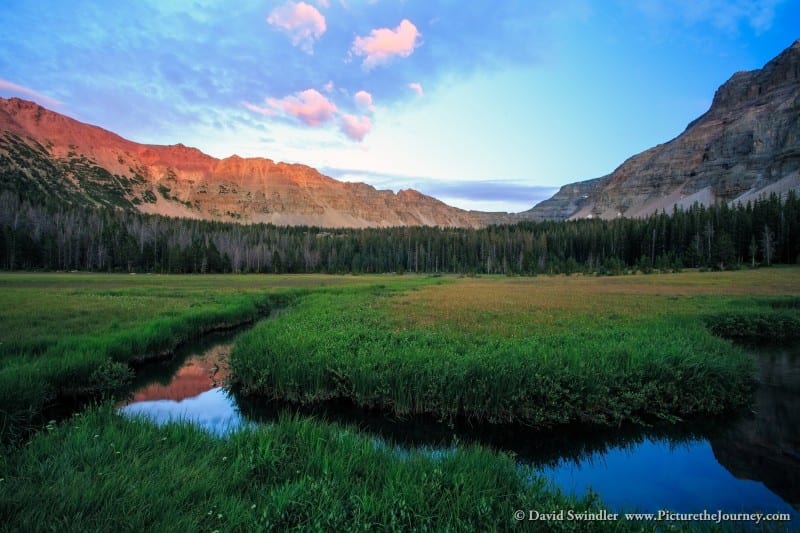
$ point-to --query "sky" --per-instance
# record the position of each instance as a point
(489, 105)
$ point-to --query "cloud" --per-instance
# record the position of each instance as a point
(363, 101)
(484, 195)
(314, 109)
(302, 22)
(15, 89)
(356, 128)
(417, 88)
(309, 106)
(726, 15)
(263, 110)
(329, 87)
(381, 45)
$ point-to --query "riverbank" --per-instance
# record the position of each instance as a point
(535, 351)
(66, 338)
(102, 472)
(99, 471)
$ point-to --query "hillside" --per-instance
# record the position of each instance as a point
(44, 155)
(746, 145)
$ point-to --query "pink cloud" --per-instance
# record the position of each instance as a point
(381, 45)
(19, 90)
(309, 106)
(363, 101)
(263, 110)
(302, 22)
(356, 128)
(417, 88)
(314, 109)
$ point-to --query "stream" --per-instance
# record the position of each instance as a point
(746, 463)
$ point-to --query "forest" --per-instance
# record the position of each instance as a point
(60, 236)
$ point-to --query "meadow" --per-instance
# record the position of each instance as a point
(540, 351)
(66, 337)
(102, 472)
(537, 351)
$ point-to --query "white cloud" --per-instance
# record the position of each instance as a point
(417, 88)
(302, 22)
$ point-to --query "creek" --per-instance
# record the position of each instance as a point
(744, 463)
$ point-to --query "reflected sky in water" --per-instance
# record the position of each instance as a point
(656, 475)
(645, 471)
(214, 410)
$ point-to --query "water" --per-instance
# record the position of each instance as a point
(189, 388)
(658, 475)
(745, 464)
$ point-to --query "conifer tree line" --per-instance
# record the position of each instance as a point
(60, 236)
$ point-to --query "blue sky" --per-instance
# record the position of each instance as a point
(489, 105)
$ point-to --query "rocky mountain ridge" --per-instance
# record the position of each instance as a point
(46, 153)
(746, 145)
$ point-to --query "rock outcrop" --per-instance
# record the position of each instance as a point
(46, 153)
(747, 144)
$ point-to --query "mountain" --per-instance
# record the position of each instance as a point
(46, 155)
(746, 145)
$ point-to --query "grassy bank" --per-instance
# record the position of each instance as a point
(541, 351)
(67, 336)
(100, 472)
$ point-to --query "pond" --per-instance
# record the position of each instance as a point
(749, 463)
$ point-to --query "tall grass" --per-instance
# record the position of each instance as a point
(509, 350)
(100, 472)
(67, 336)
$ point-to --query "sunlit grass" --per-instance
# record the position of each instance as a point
(68, 335)
(540, 351)
(516, 306)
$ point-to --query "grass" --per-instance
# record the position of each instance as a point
(100, 472)
(67, 336)
(542, 351)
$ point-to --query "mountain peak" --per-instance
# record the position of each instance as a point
(747, 144)
(87, 163)
(747, 87)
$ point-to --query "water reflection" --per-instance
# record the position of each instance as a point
(765, 445)
(214, 410)
(745, 464)
(748, 463)
(189, 387)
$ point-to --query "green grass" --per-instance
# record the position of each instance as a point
(541, 352)
(101, 472)
(67, 336)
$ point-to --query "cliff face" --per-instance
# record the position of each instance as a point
(569, 199)
(48, 154)
(745, 145)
